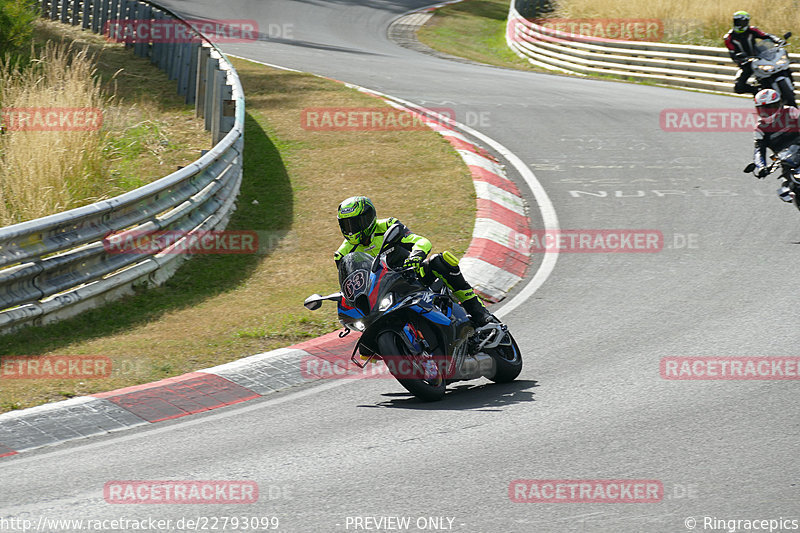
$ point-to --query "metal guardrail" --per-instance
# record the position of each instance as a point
(696, 67)
(57, 266)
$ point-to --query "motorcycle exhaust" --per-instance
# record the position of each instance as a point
(475, 366)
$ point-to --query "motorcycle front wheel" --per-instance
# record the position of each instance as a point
(429, 390)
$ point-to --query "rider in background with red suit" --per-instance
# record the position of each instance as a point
(741, 44)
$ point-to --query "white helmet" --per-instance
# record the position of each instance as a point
(768, 102)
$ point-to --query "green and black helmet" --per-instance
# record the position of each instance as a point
(741, 21)
(357, 220)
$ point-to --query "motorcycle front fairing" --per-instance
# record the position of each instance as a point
(372, 300)
(790, 156)
(790, 161)
(366, 294)
(770, 61)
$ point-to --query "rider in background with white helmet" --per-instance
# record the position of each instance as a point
(778, 128)
(741, 44)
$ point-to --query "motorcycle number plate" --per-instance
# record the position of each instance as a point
(354, 284)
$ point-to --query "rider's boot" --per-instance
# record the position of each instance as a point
(479, 315)
(785, 193)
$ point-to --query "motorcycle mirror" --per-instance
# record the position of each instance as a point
(392, 233)
(749, 168)
(313, 302)
(787, 35)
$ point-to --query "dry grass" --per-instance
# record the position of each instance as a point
(689, 21)
(43, 172)
(147, 130)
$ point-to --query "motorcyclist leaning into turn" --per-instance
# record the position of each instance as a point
(741, 44)
(363, 232)
(778, 128)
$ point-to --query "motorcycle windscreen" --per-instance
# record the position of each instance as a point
(354, 274)
(765, 46)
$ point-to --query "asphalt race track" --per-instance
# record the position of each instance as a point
(591, 403)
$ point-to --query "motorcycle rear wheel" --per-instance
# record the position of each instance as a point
(508, 361)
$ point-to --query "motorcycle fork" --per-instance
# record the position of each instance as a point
(412, 337)
(416, 340)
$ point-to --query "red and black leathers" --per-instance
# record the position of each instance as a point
(782, 130)
(741, 47)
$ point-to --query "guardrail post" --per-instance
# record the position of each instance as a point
(169, 48)
(96, 4)
(191, 78)
(64, 11)
(105, 7)
(136, 15)
(53, 9)
(184, 73)
(115, 20)
(203, 55)
(217, 107)
(155, 47)
(126, 14)
(76, 12)
(87, 5)
(143, 16)
(227, 112)
(177, 60)
(157, 57)
(134, 21)
(163, 49)
(212, 67)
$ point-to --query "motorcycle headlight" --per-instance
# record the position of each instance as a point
(386, 303)
(766, 67)
(358, 325)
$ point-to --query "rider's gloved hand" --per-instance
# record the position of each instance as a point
(415, 260)
(761, 172)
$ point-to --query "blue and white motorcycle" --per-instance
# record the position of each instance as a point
(422, 334)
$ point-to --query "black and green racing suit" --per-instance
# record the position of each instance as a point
(443, 266)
